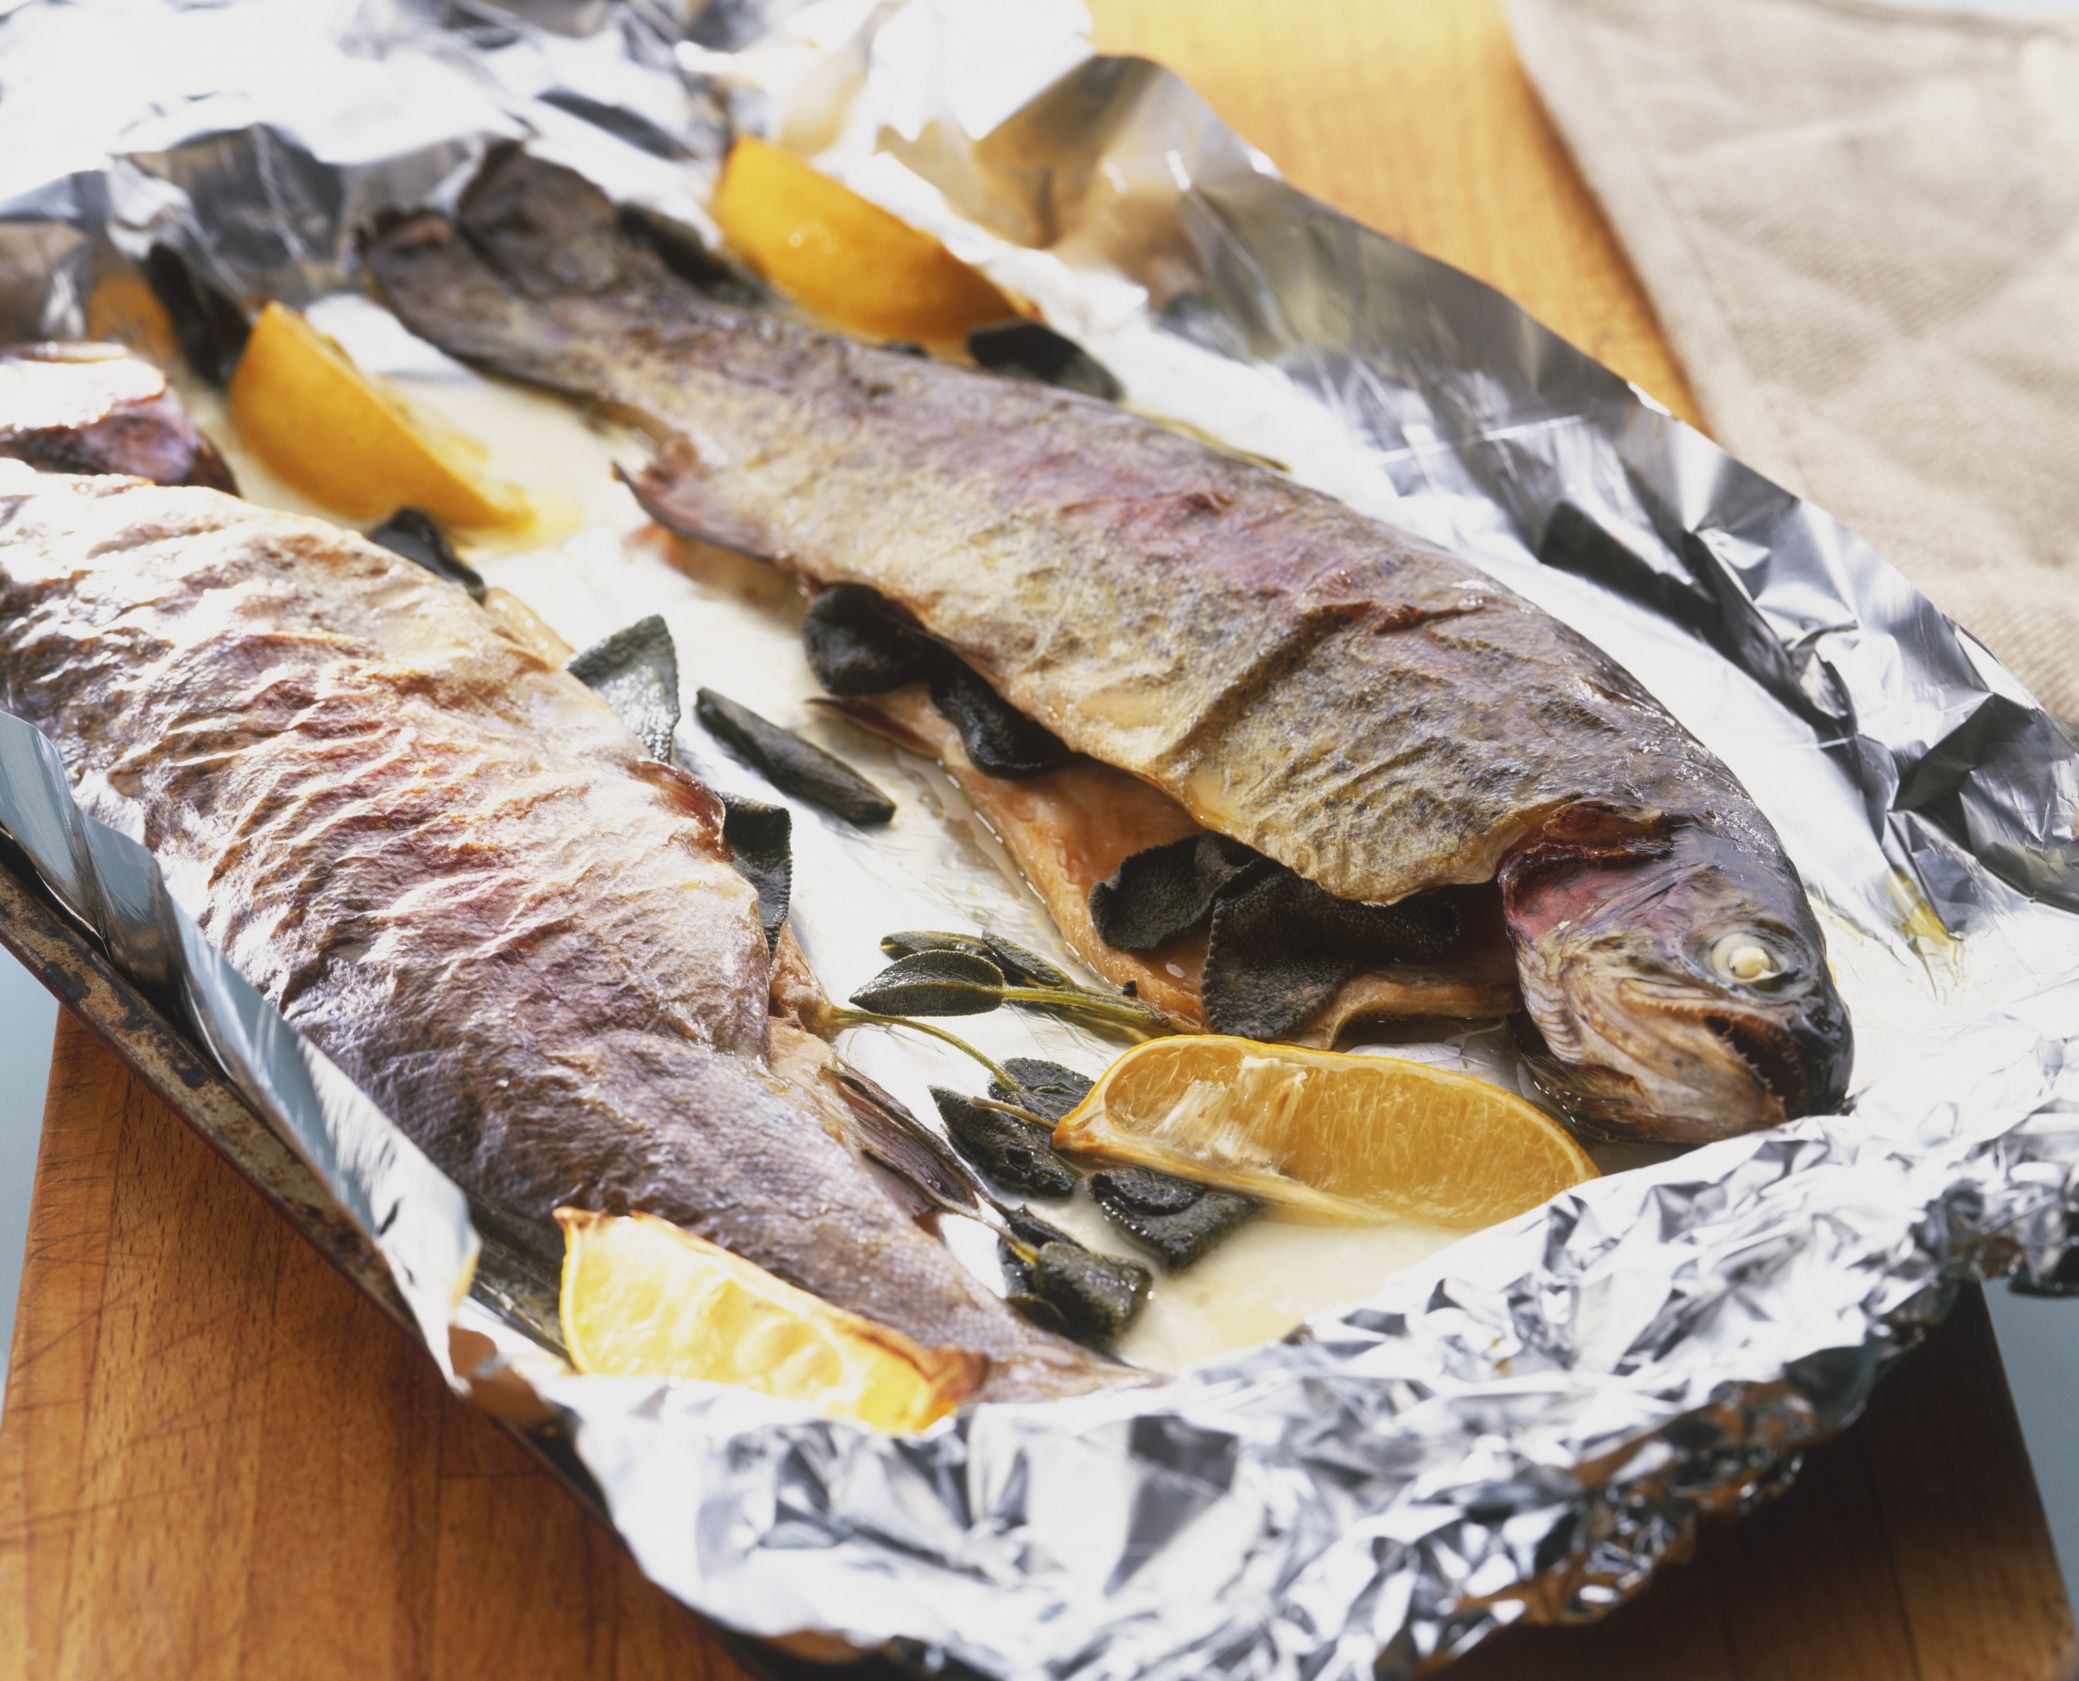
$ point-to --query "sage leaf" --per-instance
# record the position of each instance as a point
(1173, 1219)
(1164, 892)
(1069, 1287)
(1014, 1153)
(1046, 1088)
(999, 739)
(636, 672)
(760, 838)
(1028, 968)
(856, 646)
(934, 983)
(790, 764)
(412, 533)
(1033, 350)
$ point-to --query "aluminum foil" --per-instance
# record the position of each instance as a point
(1520, 1426)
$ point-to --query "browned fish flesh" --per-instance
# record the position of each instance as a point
(1369, 710)
(453, 868)
(1068, 829)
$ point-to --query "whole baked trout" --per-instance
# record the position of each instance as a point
(1353, 703)
(446, 861)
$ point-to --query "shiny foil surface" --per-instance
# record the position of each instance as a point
(1520, 1425)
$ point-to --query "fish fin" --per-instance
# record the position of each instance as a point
(678, 492)
(548, 230)
(928, 1175)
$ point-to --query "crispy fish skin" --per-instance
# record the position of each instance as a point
(1359, 705)
(449, 864)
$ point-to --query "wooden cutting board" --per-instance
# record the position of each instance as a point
(217, 1460)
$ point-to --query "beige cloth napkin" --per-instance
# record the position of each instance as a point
(1859, 223)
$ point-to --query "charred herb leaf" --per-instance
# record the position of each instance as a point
(1095, 1296)
(999, 738)
(1070, 1287)
(412, 533)
(934, 983)
(636, 672)
(1281, 947)
(1013, 1152)
(1046, 1088)
(855, 646)
(761, 846)
(1163, 892)
(1173, 1219)
(790, 764)
(1036, 351)
(211, 325)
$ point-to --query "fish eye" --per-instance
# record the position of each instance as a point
(1746, 958)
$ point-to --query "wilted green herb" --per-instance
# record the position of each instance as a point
(934, 983)
(1067, 1286)
(1281, 947)
(910, 941)
(999, 739)
(760, 838)
(412, 533)
(636, 672)
(855, 646)
(1035, 351)
(1046, 1088)
(1010, 1150)
(211, 325)
(1173, 1219)
(1018, 964)
(792, 765)
(1163, 892)
(948, 980)
(1028, 967)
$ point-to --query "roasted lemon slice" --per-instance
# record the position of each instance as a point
(641, 1298)
(843, 257)
(322, 426)
(1342, 1138)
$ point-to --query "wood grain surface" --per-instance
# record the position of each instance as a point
(218, 1460)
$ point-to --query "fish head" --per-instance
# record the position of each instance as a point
(1674, 980)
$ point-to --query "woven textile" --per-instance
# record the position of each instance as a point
(1859, 224)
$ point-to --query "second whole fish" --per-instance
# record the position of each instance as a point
(1250, 657)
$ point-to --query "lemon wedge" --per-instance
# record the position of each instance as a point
(1352, 1139)
(325, 428)
(641, 1298)
(843, 257)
